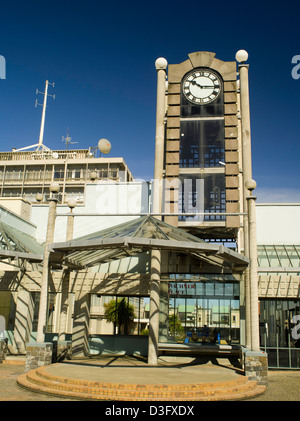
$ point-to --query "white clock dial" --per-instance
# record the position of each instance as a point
(201, 87)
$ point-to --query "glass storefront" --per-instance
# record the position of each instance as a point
(280, 332)
(206, 311)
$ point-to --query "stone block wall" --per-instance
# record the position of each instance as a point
(3, 350)
(256, 366)
(38, 354)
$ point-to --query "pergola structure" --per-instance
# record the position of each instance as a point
(131, 238)
(139, 235)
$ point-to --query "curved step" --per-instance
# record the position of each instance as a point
(39, 380)
(43, 373)
(162, 391)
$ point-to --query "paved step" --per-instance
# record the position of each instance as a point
(39, 380)
(44, 373)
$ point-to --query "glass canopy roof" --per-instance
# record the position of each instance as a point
(278, 256)
(144, 227)
(139, 235)
(17, 244)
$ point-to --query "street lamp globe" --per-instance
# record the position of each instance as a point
(72, 203)
(39, 197)
(93, 175)
(54, 187)
(161, 63)
(241, 56)
(250, 184)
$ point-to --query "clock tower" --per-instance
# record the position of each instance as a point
(202, 160)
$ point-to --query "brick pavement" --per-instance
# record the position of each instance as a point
(10, 391)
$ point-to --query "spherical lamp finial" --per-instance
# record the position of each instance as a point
(54, 187)
(39, 197)
(161, 63)
(93, 175)
(241, 56)
(250, 184)
(72, 203)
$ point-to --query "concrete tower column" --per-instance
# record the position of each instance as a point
(251, 185)
(255, 360)
(54, 188)
(66, 278)
(161, 66)
(40, 352)
(242, 56)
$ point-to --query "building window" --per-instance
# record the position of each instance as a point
(276, 322)
(202, 143)
(58, 174)
(279, 332)
(123, 315)
(201, 312)
(202, 193)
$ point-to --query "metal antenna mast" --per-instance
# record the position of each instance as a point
(40, 144)
(44, 105)
(67, 139)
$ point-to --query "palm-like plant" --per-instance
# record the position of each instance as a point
(121, 313)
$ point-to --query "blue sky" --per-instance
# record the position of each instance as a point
(101, 57)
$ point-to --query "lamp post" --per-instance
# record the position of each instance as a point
(242, 56)
(54, 188)
(70, 223)
(250, 186)
(255, 361)
(161, 66)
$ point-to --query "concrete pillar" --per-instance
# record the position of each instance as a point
(247, 174)
(251, 185)
(63, 348)
(70, 221)
(164, 312)
(66, 278)
(80, 336)
(161, 65)
(45, 274)
(23, 322)
(64, 305)
(255, 361)
(245, 119)
(154, 307)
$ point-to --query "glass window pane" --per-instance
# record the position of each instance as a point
(210, 289)
(219, 289)
(229, 289)
(202, 143)
(198, 313)
(200, 288)
(236, 290)
(202, 193)
(191, 313)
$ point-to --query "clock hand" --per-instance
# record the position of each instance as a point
(195, 83)
(204, 86)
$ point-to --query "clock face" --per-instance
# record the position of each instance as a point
(201, 87)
